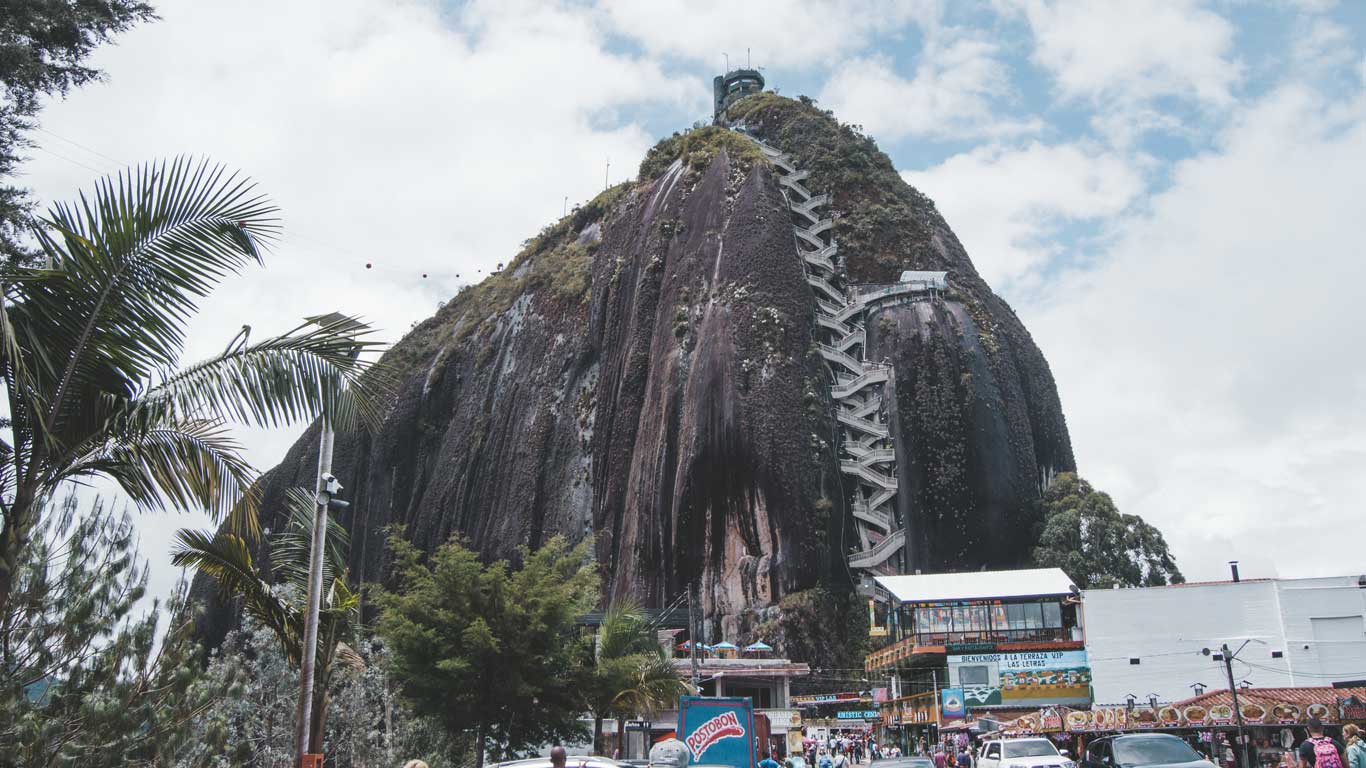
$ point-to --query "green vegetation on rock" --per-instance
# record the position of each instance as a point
(825, 628)
(697, 147)
(553, 260)
(880, 225)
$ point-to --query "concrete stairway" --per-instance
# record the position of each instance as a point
(867, 454)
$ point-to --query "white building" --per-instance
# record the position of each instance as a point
(1302, 632)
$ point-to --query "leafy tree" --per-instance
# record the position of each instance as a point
(43, 46)
(628, 671)
(1098, 547)
(253, 725)
(276, 595)
(83, 679)
(89, 347)
(490, 650)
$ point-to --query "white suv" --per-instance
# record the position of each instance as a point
(1022, 753)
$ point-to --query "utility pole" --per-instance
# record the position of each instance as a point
(692, 638)
(606, 174)
(1233, 691)
(325, 489)
(315, 585)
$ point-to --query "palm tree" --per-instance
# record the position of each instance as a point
(630, 674)
(90, 344)
(276, 595)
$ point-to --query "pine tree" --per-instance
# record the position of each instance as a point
(491, 650)
(85, 677)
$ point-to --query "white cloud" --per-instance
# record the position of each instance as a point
(950, 95)
(1007, 205)
(1130, 52)
(1209, 369)
(388, 133)
(780, 33)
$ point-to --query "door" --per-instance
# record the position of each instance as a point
(991, 757)
(1098, 754)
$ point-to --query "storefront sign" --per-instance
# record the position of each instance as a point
(1030, 678)
(1351, 708)
(952, 704)
(857, 714)
(1050, 720)
(1098, 719)
(828, 698)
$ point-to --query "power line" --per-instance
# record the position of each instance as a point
(70, 160)
(82, 146)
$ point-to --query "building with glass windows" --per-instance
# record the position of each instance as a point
(990, 640)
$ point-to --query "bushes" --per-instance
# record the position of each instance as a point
(697, 147)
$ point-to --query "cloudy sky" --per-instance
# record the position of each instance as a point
(1170, 193)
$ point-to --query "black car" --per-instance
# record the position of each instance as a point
(1142, 750)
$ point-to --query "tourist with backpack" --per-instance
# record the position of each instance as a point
(1319, 751)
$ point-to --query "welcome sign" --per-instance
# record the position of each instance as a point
(1040, 678)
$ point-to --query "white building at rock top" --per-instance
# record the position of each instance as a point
(1302, 632)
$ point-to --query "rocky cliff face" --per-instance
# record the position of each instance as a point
(644, 372)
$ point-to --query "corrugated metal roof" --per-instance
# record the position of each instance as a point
(977, 585)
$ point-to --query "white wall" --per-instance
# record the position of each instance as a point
(1165, 628)
(1324, 628)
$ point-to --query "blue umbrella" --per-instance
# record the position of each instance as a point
(725, 646)
(757, 646)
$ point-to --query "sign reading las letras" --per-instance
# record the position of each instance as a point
(1024, 678)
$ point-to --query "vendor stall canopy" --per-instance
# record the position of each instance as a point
(977, 585)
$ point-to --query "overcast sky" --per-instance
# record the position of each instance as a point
(1170, 193)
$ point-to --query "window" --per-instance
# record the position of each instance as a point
(976, 675)
(1031, 748)
(1052, 615)
(1153, 750)
(994, 750)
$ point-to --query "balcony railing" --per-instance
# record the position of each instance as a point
(1051, 634)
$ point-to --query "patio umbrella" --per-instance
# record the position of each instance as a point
(725, 647)
(759, 646)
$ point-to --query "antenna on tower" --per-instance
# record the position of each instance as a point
(726, 56)
(747, 66)
(605, 173)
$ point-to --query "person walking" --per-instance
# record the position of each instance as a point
(965, 758)
(1356, 746)
(1319, 751)
(824, 760)
(770, 761)
(940, 758)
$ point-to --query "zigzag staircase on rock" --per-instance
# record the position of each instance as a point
(858, 387)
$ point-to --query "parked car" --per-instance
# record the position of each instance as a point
(1022, 753)
(1149, 750)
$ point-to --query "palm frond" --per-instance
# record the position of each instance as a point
(291, 549)
(195, 464)
(227, 559)
(314, 367)
(134, 261)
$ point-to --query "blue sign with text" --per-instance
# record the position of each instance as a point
(717, 731)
